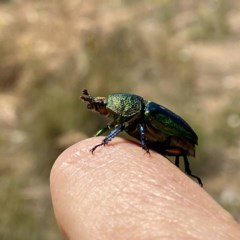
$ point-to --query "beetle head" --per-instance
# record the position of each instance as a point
(97, 104)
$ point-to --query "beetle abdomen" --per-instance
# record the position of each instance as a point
(169, 123)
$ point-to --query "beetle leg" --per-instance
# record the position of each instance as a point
(109, 137)
(142, 136)
(188, 171)
(177, 161)
(101, 131)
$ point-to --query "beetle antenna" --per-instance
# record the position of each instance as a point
(85, 92)
(86, 97)
(95, 103)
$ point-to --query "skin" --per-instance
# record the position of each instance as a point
(121, 192)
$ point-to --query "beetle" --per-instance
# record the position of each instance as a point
(155, 126)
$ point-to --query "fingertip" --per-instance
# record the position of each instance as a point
(122, 187)
(121, 172)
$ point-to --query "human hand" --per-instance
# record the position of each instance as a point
(120, 192)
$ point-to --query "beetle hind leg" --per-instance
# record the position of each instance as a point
(188, 170)
(177, 161)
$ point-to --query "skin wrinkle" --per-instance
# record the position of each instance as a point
(133, 187)
(108, 174)
(74, 174)
(87, 201)
(87, 170)
(193, 205)
(149, 183)
(144, 187)
(136, 206)
(121, 216)
(173, 191)
(95, 210)
(192, 218)
(103, 184)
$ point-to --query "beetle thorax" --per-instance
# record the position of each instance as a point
(124, 105)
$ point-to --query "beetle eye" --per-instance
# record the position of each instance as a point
(102, 104)
(99, 103)
(99, 106)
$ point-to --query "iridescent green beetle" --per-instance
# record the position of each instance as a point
(155, 126)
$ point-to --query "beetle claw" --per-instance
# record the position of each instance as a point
(146, 149)
(95, 147)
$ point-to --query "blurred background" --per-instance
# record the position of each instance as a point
(184, 56)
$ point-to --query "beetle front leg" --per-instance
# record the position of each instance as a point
(101, 131)
(109, 137)
(142, 137)
(105, 129)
